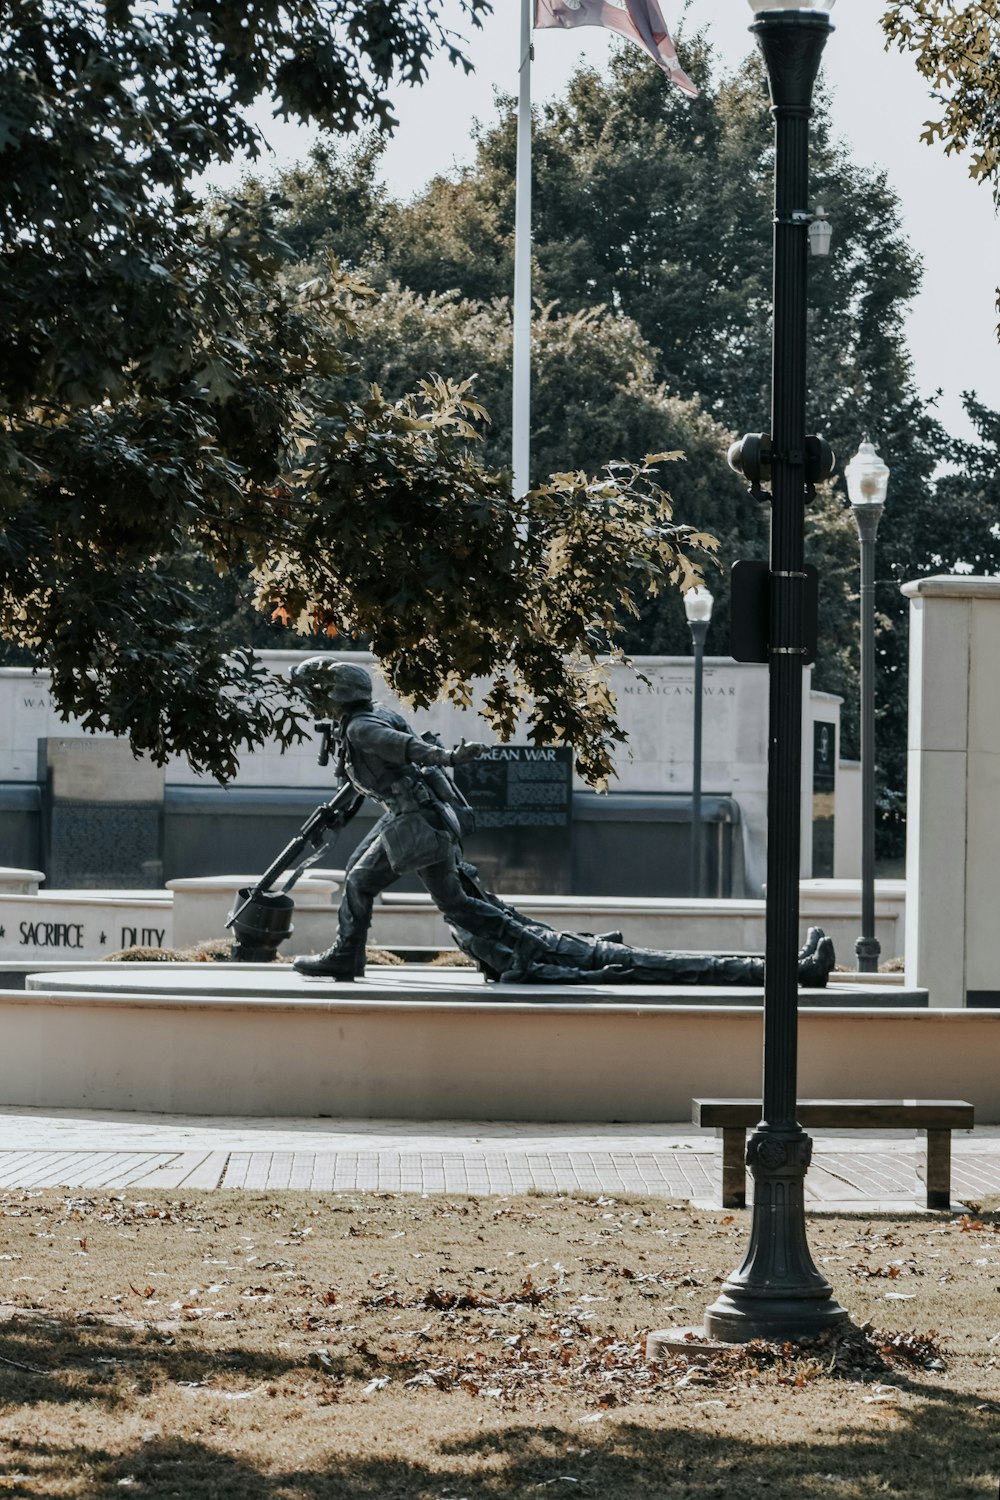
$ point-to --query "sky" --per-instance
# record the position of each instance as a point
(879, 104)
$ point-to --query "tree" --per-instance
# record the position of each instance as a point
(659, 207)
(594, 392)
(652, 271)
(977, 478)
(170, 394)
(135, 415)
(333, 203)
(388, 519)
(956, 49)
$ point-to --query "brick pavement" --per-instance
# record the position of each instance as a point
(71, 1149)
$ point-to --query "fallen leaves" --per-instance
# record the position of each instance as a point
(468, 1323)
(528, 1295)
(882, 1395)
(557, 1358)
(503, 1320)
(920, 1350)
(862, 1272)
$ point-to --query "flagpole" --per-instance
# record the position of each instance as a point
(521, 397)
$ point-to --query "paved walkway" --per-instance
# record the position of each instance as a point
(102, 1150)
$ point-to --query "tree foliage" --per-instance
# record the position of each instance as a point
(154, 364)
(659, 207)
(955, 48)
(174, 405)
(594, 392)
(652, 277)
(652, 261)
(391, 524)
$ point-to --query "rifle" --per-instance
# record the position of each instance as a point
(262, 920)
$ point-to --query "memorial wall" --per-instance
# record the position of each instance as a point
(555, 829)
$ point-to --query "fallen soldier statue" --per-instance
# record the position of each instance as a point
(604, 958)
(423, 820)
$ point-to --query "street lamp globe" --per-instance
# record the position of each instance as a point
(867, 478)
(698, 605)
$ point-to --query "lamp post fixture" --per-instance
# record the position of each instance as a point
(778, 1292)
(867, 482)
(698, 608)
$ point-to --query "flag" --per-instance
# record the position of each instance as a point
(638, 20)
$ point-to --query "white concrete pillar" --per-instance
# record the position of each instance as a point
(847, 825)
(953, 791)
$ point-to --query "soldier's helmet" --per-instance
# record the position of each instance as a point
(328, 686)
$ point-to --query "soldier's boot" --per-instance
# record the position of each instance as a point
(338, 962)
(816, 967)
(813, 938)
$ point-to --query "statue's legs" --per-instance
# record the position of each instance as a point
(511, 947)
(491, 923)
(619, 963)
(649, 966)
(572, 958)
(367, 875)
(369, 872)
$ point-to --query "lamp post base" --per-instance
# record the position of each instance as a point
(776, 1320)
(777, 1293)
(868, 951)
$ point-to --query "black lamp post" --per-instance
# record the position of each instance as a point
(867, 482)
(698, 608)
(778, 1292)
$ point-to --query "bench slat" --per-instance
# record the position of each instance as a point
(952, 1114)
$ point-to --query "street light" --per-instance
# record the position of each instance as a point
(867, 482)
(698, 608)
(778, 1292)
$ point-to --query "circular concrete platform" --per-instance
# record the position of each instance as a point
(420, 1042)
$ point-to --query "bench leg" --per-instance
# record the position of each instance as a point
(936, 1168)
(734, 1171)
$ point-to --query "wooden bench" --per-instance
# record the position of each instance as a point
(936, 1117)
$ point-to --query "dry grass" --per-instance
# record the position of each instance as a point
(211, 951)
(219, 951)
(240, 1346)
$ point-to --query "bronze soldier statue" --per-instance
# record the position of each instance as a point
(424, 817)
(603, 958)
(421, 824)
